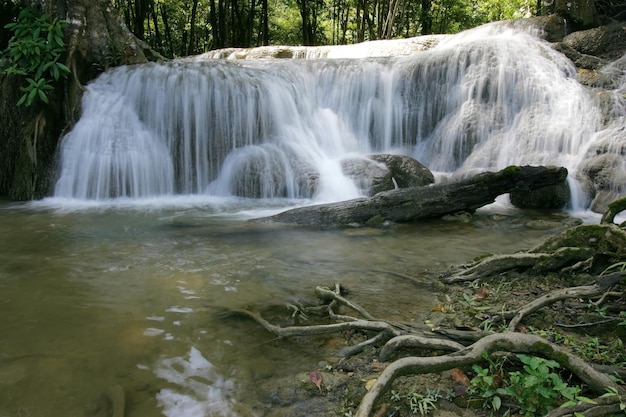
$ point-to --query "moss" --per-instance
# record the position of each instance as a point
(511, 170)
(376, 221)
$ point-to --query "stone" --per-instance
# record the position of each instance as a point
(383, 172)
(554, 196)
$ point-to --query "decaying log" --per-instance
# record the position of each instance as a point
(410, 204)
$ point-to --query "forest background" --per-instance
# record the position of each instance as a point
(177, 28)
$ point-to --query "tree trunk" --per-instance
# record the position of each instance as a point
(192, 29)
(414, 203)
(426, 17)
(96, 38)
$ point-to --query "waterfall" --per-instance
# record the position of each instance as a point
(272, 128)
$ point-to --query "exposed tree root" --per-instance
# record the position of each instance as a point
(414, 341)
(584, 248)
(508, 342)
(574, 249)
(494, 265)
(600, 286)
(290, 331)
(603, 407)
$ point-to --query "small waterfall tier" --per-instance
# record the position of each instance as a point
(273, 128)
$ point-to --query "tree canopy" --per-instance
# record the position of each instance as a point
(177, 28)
(185, 27)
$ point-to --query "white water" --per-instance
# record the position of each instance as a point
(480, 100)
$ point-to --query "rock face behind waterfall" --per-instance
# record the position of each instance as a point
(600, 57)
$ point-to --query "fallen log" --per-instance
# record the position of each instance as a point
(410, 204)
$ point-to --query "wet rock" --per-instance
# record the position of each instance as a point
(384, 172)
(406, 171)
(549, 197)
(606, 42)
(603, 174)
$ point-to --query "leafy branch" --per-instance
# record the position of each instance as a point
(34, 51)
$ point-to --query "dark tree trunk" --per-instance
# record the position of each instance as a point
(192, 28)
(426, 17)
(168, 31)
(96, 39)
(265, 23)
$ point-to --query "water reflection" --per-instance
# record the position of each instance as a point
(93, 299)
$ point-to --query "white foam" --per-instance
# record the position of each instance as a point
(151, 331)
(183, 310)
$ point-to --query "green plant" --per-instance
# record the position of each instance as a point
(347, 404)
(600, 311)
(416, 402)
(485, 383)
(536, 390)
(612, 392)
(591, 349)
(34, 51)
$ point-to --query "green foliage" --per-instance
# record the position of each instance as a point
(536, 389)
(34, 51)
(170, 27)
(612, 392)
(590, 349)
(485, 383)
(416, 402)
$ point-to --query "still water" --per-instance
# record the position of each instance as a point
(133, 296)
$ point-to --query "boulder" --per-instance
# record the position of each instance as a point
(602, 173)
(384, 172)
(554, 196)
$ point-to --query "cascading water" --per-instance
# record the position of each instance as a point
(480, 100)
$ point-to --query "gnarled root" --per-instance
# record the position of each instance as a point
(600, 286)
(572, 249)
(509, 342)
(494, 265)
(601, 407)
(289, 331)
(414, 341)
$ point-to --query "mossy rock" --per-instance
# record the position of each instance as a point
(606, 239)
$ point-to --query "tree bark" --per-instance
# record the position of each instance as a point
(96, 38)
(410, 204)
